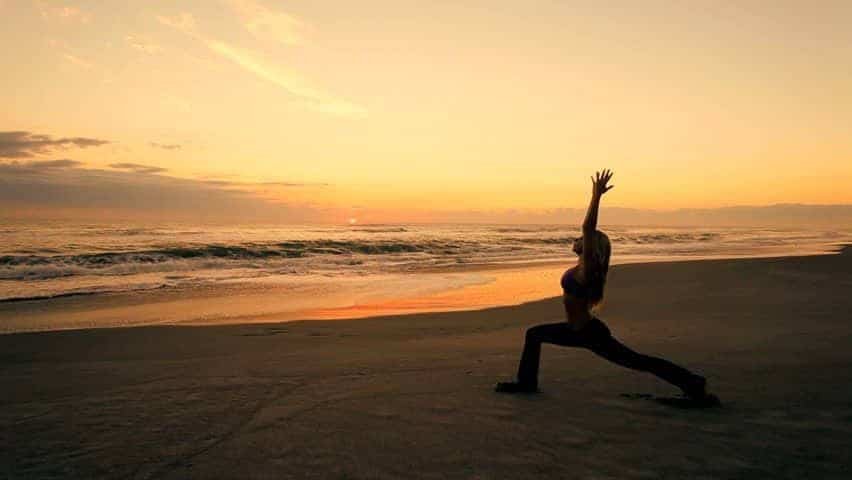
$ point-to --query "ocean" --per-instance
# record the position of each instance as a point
(59, 259)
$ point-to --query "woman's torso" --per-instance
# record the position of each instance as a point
(575, 297)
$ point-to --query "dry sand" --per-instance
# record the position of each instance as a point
(411, 396)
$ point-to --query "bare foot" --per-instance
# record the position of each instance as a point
(515, 387)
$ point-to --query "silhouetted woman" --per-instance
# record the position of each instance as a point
(583, 287)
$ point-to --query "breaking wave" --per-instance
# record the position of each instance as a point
(40, 260)
(23, 267)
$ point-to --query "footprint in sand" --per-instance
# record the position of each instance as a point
(266, 332)
(677, 402)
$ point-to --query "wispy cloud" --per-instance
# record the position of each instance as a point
(64, 13)
(250, 61)
(36, 166)
(293, 184)
(268, 24)
(288, 80)
(61, 163)
(77, 61)
(22, 144)
(165, 146)
(138, 168)
(67, 53)
(142, 44)
(238, 184)
(184, 22)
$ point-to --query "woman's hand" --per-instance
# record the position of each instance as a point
(599, 182)
(599, 187)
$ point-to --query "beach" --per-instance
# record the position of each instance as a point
(411, 396)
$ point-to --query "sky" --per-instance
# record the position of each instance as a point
(404, 110)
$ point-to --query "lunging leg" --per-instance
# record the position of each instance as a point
(616, 352)
(557, 333)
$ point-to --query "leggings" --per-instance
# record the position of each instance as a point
(596, 337)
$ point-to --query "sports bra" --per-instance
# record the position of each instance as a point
(571, 286)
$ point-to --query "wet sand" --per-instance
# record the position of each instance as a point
(411, 396)
(471, 287)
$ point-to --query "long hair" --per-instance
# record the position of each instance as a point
(597, 280)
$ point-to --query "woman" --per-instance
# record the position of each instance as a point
(583, 287)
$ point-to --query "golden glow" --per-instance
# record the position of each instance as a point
(519, 285)
(391, 110)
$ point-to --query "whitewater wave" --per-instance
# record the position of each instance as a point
(32, 267)
(44, 260)
(259, 255)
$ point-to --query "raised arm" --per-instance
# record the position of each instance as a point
(590, 224)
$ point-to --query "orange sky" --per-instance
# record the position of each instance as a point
(399, 106)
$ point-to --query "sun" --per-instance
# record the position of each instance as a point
(353, 221)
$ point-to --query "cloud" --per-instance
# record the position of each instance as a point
(22, 144)
(36, 166)
(184, 22)
(63, 13)
(292, 184)
(288, 80)
(220, 183)
(138, 168)
(142, 44)
(268, 24)
(77, 61)
(231, 183)
(252, 62)
(68, 54)
(64, 189)
(61, 163)
(165, 146)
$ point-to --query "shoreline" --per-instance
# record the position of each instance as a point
(487, 294)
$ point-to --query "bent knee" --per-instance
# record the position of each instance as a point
(534, 333)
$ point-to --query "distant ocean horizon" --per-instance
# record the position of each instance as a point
(58, 259)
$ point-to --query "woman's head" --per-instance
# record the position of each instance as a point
(596, 272)
(602, 248)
